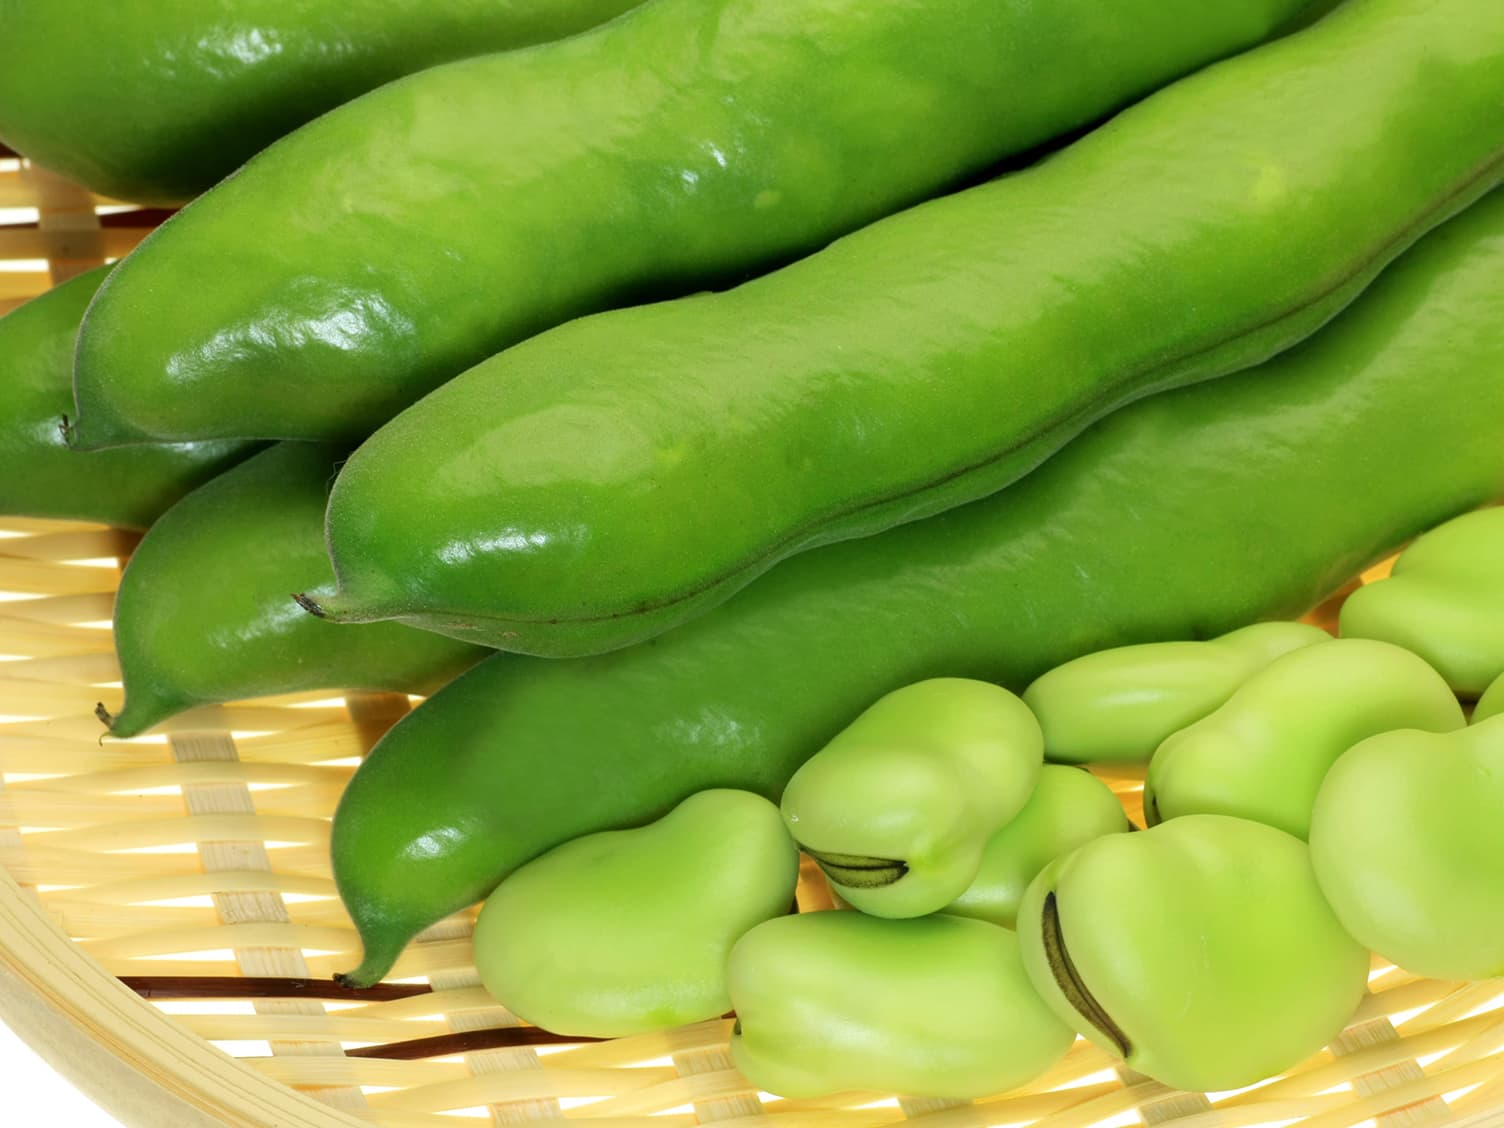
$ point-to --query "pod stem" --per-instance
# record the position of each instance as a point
(308, 603)
(138, 714)
(1068, 979)
(337, 608)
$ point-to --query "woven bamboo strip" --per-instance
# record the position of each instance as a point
(375, 1072)
(39, 699)
(18, 189)
(34, 243)
(21, 636)
(20, 285)
(25, 805)
(324, 960)
(66, 212)
(814, 1118)
(1374, 1057)
(115, 781)
(703, 1073)
(91, 542)
(145, 891)
(90, 607)
(1481, 1106)
(46, 578)
(1460, 1004)
(92, 920)
(12, 528)
(93, 668)
(504, 1087)
(320, 1027)
(1418, 993)
(243, 934)
(438, 1002)
(54, 866)
(1402, 1097)
(144, 833)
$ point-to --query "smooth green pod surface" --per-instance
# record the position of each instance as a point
(1118, 705)
(1408, 843)
(411, 233)
(1228, 520)
(155, 100)
(927, 360)
(1201, 951)
(39, 475)
(1069, 808)
(202, 613)
(934, 1007)
(1491, 704)
(1444, 600)
(899, 806)
(1264, 753)
(628, 931)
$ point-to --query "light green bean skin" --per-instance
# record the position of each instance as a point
(1407, 839)
(628, 931)
(1444, 601)
(934, 1007)
(1119, 705)
(1264, 753)
(1491, 704)
(1201, 951)
(1069, 808)
(899, 806)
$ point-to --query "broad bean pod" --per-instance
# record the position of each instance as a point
(1181, 517)
(406, 235)
(202, 613)
(614, 478)
(156, 100)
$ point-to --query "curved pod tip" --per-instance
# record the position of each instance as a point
(132, 721)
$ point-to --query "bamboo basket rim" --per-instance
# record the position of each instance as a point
(130, 1059)
(150, 1067)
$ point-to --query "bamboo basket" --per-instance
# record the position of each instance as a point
(168, 924)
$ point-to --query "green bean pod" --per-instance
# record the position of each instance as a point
(202, 614)
(933, 1007)
(1119, 705)
(558, 499)
(1444, 600)
(1183, 516)
(897, 809)
(628, 931)
(1408, 845)
(39, 475)
(1263, 754)
(413, 232)
(154, 102)
(1201, 951)
(1069, 808)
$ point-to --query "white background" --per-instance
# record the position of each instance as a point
(35, 1095)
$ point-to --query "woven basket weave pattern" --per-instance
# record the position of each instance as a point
(201, 851)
